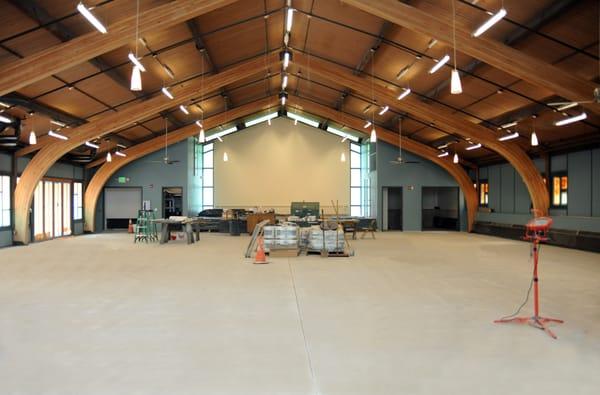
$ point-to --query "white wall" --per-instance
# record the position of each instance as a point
(271, 166)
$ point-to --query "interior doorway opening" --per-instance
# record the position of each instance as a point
(440, 208)
(172, 201)
(392, 208)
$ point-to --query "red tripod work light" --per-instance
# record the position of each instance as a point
(536, 232)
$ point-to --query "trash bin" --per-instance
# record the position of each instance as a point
(234, 227)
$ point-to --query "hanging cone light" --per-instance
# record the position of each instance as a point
(343, 157)
(373, 137)
(455, 158)
(225, 157)
(455, 85)
(32, 138)
(201, 137)
(136, 79)
(109, 157)
(136, 73)
(534, 140)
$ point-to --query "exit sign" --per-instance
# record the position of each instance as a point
(122, 180)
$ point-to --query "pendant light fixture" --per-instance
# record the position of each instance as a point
(83, 10)
(138, 67)
(508, 137)
(570, 120)
(108, 157)
(167, 92)
(32, 136)
(56, 135)
(283, 96)
(200, 123)
(534, 138)
(455, 158)
(439, 64)
(284, 81)
(343, 157)
(490, 22)
(225, 157)
(455, 85)
(405, 92)
(373, 137)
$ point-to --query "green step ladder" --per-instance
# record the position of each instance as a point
(146, 229)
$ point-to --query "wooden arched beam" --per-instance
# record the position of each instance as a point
(140, 110)
(456, 171)
(51, 152)
(436, 22)
(63, 56)
(443, 118)
(105, 171)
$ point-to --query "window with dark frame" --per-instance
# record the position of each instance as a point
(4, 201)
(560, 189)
(77, 201)
(484, 190)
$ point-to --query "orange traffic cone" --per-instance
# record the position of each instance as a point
(130, 227)
(260, 252)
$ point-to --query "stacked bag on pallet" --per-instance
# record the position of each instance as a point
(285, 236)
(333, 239)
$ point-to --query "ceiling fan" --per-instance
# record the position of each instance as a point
(563, 105)
(165, 160)
(560, 106)
(400, 160)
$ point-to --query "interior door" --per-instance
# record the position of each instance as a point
(394, 208)
(121, 205)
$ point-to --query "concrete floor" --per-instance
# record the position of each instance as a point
(411, 313)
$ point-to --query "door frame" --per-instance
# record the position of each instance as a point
(162, 198)
(117, 187)
(457, 206)
(384, 198)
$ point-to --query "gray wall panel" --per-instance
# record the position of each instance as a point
(580, 184)
(507, 193)
(596, 182)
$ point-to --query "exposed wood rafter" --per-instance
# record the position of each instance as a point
(437, 23)
(50, 153)
(60, 57)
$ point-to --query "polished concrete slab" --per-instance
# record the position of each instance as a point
(411, 313)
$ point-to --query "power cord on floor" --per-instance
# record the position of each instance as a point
(528, 291)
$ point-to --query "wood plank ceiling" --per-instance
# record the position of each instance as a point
(560, 32)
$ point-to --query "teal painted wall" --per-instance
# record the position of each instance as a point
(425, 173)
(152, 177)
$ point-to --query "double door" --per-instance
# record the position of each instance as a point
(52, 204)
